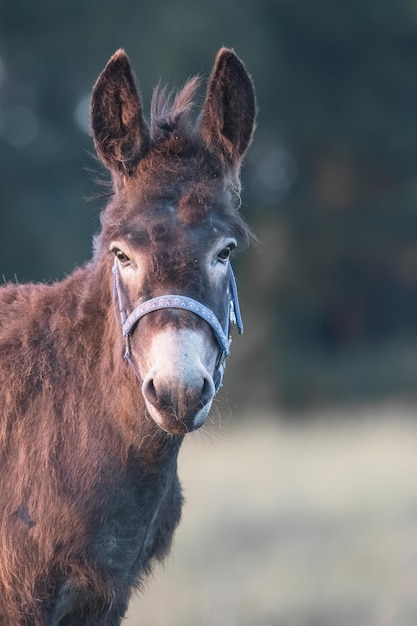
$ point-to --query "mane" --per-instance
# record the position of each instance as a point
(175, 129)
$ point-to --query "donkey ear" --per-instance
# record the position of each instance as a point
(229, 110)
(120, 133)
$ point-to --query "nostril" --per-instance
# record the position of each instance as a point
(149, 391)
(207, 391)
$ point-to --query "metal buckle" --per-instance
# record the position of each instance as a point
(232, 314)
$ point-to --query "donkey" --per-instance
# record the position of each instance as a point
(103, 373)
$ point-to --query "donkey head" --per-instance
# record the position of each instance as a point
(171, 227)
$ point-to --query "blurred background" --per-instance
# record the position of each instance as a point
(321, 387)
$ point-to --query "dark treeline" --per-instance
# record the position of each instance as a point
(330, 292)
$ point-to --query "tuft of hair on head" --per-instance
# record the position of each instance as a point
(172, 109)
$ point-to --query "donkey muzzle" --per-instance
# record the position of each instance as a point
(178, 388)
(178, 408)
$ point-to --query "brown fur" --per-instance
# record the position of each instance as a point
(89, 491)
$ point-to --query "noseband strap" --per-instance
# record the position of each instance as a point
(170, 301)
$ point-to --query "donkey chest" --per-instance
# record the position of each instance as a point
(135, 525)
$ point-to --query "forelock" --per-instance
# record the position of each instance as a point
(172, 110)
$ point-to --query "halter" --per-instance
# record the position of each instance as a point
(170, 301)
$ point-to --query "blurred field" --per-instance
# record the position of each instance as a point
(294, 523)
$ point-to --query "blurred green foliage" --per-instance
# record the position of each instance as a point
(330, 292)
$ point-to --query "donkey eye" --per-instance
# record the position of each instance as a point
(120, 256)
(226, 252)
